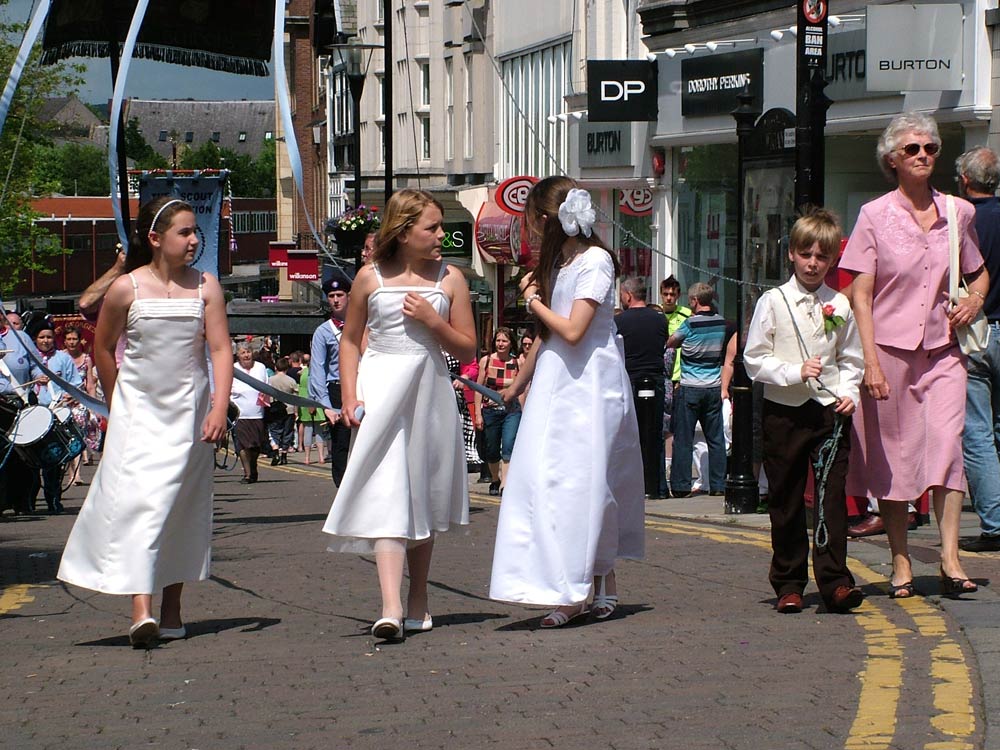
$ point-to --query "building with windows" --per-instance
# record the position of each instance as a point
(171, 126)
(699, 40)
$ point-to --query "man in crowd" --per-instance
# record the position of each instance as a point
(324, 370)
(670, 294)
(978, 176)
(701, 340)
(644, 332)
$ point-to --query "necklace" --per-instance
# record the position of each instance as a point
(166, 284)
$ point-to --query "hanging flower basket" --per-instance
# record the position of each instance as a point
(352, 227)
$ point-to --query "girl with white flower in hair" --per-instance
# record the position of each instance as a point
(573, 502)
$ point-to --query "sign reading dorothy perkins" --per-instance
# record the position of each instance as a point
(914, 47)
(621, 90)
(709, 85)
(605, 144)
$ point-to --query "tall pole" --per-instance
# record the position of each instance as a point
(387, 99)
(114, 54)
(356, 82)
(811, 104)
(741, 487)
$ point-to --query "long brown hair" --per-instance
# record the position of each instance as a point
(402, 212)
(542, 209)
(140, 252)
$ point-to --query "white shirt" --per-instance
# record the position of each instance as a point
(245, 396)
(774, 354)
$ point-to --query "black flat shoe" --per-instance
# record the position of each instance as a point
(494, 488)
(276, 460)
(957, 586)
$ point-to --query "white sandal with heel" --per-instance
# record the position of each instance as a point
(604, 604)
(557, 618)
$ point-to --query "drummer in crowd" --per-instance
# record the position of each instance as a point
(51, 396)
(17, 483)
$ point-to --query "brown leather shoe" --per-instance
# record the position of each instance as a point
(845, 598)
(790, 603)
(870, 525)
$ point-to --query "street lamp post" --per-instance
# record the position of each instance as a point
(741, 487)
(355, 59)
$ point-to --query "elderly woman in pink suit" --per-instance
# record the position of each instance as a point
(907, 432)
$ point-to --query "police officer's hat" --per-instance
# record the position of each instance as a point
(338, 282)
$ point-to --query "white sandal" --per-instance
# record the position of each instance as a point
(604, 605)
(557, 618)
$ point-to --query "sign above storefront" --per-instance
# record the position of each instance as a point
(277, 253)
(709, 85)
(621, 90)
(605, 145)
(512, 193)
(914, 47)
(303, 265)
(457, 242)
(847, 67)
(636, 202)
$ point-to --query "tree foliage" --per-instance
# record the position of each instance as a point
(71, 169)
(138, 149)
(24, 246)
(248, 177)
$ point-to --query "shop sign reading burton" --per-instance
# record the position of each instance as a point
(914, 47)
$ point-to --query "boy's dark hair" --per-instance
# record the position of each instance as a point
(670, 282)
(281, 365)
(817, 225)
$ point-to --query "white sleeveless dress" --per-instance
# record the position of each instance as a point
(574, 500)
(406, 474)
(147, 519)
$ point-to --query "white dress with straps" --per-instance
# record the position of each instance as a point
(147, 519)
(406, 476)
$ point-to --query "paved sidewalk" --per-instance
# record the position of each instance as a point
(280, 655)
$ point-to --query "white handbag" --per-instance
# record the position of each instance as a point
(974, 337)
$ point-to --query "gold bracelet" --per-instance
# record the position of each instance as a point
(979, 294)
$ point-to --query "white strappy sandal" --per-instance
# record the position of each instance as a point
(557, 618)
(604, 604)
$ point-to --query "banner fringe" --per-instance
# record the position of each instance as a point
(191, 58)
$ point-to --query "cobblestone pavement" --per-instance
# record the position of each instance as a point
(279, 654)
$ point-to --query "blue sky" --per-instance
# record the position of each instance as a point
(154, 80)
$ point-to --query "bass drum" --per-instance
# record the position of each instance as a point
(41, 441)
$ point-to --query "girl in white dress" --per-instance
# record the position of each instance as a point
(573, 503)
(146, 524)
(406, 476)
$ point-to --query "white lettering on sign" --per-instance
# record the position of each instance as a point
(719, 83)
(613, 91)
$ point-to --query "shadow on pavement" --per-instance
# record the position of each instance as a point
(24, 565)
(533, 623)
(197, 629)
(308, 517)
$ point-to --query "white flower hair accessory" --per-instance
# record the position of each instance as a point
(576, 214)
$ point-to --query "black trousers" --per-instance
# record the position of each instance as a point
(340, 437)
(18, 483)
(792, 436)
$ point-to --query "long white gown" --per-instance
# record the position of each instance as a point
(406, 474)
(573, 502)
(147, 519)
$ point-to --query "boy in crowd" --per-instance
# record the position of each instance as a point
(803, 345)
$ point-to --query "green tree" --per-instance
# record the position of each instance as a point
(206, 156)
(24, 246)
(70, 169)
(248, 177)
(139, 150)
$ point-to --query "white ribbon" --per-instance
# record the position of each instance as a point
(116, 109)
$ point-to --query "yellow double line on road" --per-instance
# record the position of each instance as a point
(882, 676)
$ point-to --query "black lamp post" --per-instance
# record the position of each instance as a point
(741, 487)
(355, 59)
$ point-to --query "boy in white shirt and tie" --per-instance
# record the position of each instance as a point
(803, 345)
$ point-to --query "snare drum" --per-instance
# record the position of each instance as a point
(42, 441)
(10, 405)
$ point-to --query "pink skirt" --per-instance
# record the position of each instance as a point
(912, 441)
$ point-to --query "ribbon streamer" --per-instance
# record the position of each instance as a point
(116, 108)
(285, 398)
(481, 389)
(30, 37)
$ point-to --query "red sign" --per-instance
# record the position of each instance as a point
(637, 202)
(512, 194)
(303, 265)
(499, 237)
(277, 254)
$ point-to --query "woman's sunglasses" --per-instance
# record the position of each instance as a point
(912, 149)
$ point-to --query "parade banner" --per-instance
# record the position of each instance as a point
(204, 194)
